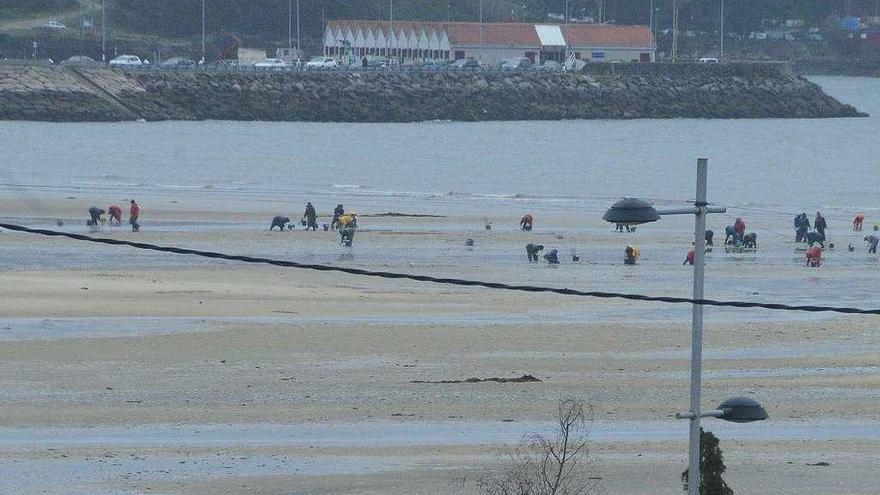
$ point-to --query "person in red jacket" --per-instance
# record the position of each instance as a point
(858, 221)
(740, 227)
(133, 214)
(115, 214)
(814, 256)
(691, 257)
(526, 222)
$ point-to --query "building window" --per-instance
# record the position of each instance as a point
(459, 54)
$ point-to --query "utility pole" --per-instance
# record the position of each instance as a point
(104, 31)
(722, 28)
(203, 32)
(289, 23)
(566, 11)
(651, 18)
(298, 46)
(481, 31)
(390, 28)
(674, 30)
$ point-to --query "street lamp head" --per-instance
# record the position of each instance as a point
(742, 410)
(631, 211)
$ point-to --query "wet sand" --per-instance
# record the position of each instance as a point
(127, 372)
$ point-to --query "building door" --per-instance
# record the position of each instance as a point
(645, 58)
(531, 57)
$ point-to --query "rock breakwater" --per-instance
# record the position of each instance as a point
(599, 92)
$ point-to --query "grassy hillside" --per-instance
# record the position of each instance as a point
(158, 27)
(17, 9)
(267, 19)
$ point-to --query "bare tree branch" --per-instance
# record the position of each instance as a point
(556, 465)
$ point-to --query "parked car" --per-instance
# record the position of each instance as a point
(225, 63)
(373, 61)
(126, 61)
(322, 62)
(516, 63)
(81, 61)
(708, 60)
(178, 63)
(466, 63)
(54, 26)
(271, 64)
(435, 64)
(549, 65)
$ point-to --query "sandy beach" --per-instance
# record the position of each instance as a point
(135, 372)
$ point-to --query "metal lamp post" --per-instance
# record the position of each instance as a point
(632, 211)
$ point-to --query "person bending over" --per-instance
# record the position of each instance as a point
(280, 222)
(95, 216)
(115, 214)
(552, 257)
(337, 212)
(532, 251)
(631, 254)
(872, 240)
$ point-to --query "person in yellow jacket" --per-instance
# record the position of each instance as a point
(631, 254)
(347, 226)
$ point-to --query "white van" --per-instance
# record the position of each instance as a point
(126, 61)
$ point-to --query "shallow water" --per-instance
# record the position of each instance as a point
(386, 434)
(86, 460)
(441, 167)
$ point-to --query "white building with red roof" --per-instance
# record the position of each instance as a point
(489, 42)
